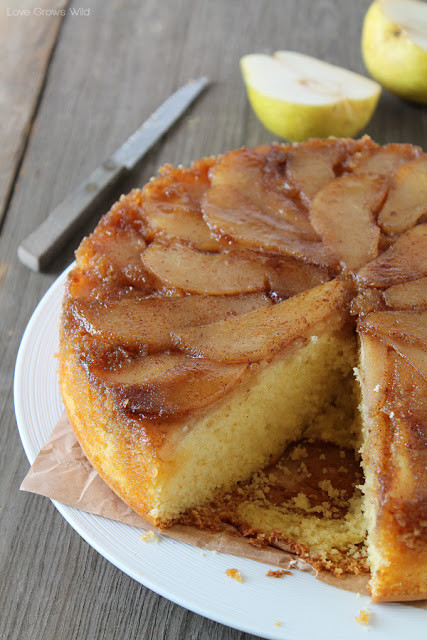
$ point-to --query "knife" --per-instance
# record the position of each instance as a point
(43, 244)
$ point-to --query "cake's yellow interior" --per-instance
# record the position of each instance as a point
(307, 393)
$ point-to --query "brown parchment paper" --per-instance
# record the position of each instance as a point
(62, 472)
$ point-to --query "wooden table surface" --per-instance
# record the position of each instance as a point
(72, 88)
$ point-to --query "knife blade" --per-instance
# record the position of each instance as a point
(43, 244)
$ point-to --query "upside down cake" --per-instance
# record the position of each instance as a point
(244, 341)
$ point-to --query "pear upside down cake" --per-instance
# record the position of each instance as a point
(243, 344)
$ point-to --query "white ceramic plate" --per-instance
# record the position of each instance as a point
(303, 607)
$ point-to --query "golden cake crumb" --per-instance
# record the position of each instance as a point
(149, 536)
(304, 469)
(277, 573)
(301, 501)
(233, 573)
(277, 623)
(363, 617)
(299, 452)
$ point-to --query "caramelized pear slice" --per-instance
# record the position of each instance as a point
(145, 323)
(169, 384)
(260, 334)
(183, 267)
(385, 161)
(407, 295)
(405, 260)
(233, 217)
(260, 176)
(404, 331)
(188, 226)
(310, 167)
(114, 255)
(343, 213)
(407, 199)
(415, 354)
(172, 205)
(287, 276)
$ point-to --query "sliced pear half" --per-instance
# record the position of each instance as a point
(394, 46)
(297, 97)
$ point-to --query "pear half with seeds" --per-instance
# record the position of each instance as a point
(298, 97)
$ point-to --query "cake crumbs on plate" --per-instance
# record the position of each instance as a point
(277, 573)
(150, 536)
(235, 574)
(278, 623)
(363, 617)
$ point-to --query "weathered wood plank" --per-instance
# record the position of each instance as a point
(28, 36)
(109, 71)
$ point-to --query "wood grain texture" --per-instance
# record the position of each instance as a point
(28, 37)
(108, 72)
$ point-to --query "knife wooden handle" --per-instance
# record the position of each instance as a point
(43, 244)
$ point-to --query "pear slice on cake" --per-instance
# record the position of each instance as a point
(172, 210)
(180, 266)
(407, 295)
(311, 166)
(343, 213)
(407, 200)
(260, 334)
(384, 161)
(232, 216)
(297, 97)
(261, 177)
(404, 331)
(145, 323)
(405, 260)
(169, 384)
